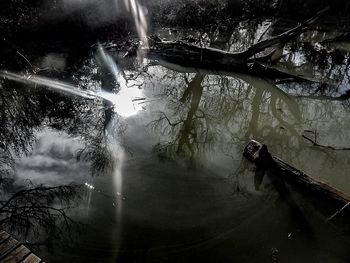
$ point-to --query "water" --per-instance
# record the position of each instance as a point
(160, 157)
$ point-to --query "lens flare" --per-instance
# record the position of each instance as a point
(138, 13)
(111, 65)
(125, 102)
(42, 81)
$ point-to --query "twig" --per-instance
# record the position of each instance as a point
(314, 142)
(267, 29)
(338, 212)
(19, 53)
(167, 119)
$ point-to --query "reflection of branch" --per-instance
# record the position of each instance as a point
(314, 142)
(267, 29)
(195, 82)
(188, 129)
(99, 155)
(21, 55)
(165, 117)
(38, 206)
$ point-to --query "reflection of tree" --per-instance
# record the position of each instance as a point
(25, 210)
(97, 151)
(188, 133)
(233, 109)
(249, 107)
(275, 117)
(225, 109)
(24, 111)
(220, 100)
(191, 129)
(18, 123)
(107, 129)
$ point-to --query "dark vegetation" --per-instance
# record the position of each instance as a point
(67, 23)
(33, 28)
(37, 205)
(201, 12)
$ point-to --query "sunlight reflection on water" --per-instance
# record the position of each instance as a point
(125, 102)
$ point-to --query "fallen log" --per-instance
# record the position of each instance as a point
(189, 55)
(258, 153)
(246, 62)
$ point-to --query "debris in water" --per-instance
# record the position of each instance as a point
(90, 186)
(274, 254)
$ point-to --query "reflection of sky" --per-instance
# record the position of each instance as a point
(52, 161)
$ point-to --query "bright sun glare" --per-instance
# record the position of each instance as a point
(126, 102)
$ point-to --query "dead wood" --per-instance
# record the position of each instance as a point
(191, 55)
(259, 154)
(315, 143)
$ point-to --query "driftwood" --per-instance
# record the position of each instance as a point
(247, 62)
(259, 154)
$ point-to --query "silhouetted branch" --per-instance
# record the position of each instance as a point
(314, 142)
(40, 206)
(192, 55)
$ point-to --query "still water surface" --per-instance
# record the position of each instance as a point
(159, 152)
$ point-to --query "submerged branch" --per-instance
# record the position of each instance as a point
(263, 159)
(315, 143)
(338, 212)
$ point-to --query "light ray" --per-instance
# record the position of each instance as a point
(124, 102)
(42, 81)
(139, 16)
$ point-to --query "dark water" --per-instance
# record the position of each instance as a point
(160, 155)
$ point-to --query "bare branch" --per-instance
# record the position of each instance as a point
(314, 142)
